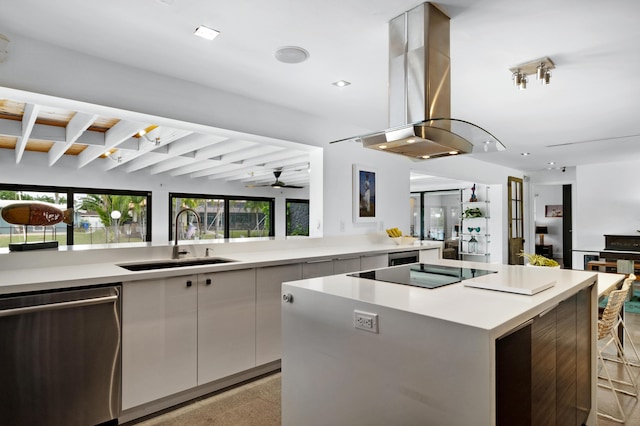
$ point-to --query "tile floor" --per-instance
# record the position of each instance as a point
(258, 403)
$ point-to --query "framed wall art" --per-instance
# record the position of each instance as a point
(364, 193)
(553, 211)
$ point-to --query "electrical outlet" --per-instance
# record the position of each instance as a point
(365, 321)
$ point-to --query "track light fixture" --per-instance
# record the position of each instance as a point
(108, 154)
(540, 67)
(143, 134)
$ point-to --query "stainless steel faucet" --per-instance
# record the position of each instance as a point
(176, 248)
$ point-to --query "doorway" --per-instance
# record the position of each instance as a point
(435, 215)
(552, 218)
(567, 231)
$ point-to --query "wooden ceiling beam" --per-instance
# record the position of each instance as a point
(165, 137)
(246, 154)
(215, 169)
(173, 163)
(226, 147)
(185, 147)
(28, 121)
(287, 154)
(76, 127)
(121, 132)
(200, 165)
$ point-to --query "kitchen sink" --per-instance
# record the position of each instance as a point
(174, 263)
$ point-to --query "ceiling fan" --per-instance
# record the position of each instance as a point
(278, 183)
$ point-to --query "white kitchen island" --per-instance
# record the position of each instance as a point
(433, 358)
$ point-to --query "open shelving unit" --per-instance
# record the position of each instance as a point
(474, 227)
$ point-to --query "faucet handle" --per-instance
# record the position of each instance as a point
(177, 252)
(206, 252)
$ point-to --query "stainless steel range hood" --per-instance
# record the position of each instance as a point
(420, 120)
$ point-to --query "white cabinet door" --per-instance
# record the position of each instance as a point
(159, 338)
(268, 305)
(317, 268)
(226, 323)
(428, 255)
(374, 261)
(346, 265)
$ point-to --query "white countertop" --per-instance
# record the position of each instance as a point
(494, 311)
(36, 271)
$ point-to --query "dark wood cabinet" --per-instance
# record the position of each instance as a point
(545, 250)
(544, 371)
(543, 368)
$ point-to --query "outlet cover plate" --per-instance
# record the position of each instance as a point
(367, 321)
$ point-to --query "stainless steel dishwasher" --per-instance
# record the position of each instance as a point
(60, 357)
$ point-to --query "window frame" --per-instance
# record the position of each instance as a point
(226, 199)
(71, 191)
(286, 204)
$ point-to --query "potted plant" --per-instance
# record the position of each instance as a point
(538, 260)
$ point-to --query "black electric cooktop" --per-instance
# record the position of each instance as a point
(422, 275)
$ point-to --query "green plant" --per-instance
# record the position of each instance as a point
(538, 260)
(472, 212)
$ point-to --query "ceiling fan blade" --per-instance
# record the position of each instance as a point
(277, 184)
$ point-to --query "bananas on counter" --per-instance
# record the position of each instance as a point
(394, 232)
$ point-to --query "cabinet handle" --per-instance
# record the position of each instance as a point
(287, 298)
(189, 283)
(208, 281)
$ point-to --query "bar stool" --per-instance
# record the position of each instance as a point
(607, 330)
(628, 342)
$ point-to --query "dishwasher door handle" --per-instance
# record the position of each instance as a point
(59, 305)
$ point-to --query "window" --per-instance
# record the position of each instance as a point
(297, 217)
(222, 216)
(210, 211)
(111, 218)
(98, 216)
(250, 218)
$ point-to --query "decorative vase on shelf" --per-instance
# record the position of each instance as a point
(473, 245)
(473, 198)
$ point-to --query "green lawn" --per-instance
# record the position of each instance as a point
(79, 238)
(97, 236)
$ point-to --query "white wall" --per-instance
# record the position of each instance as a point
(607, 201)
(392, 192)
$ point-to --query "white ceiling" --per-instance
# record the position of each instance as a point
(587, 114)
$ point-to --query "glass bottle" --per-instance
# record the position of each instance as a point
(473, 245)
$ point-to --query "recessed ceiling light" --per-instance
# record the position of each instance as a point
(206, 32)
(453, 152)
(382, 147)
(341, 83)
(411, 140)
(291, 54)
(525, 153)
(426, 156)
